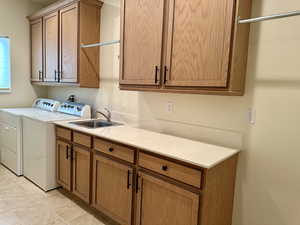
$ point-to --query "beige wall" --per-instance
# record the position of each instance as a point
(268, 185)
(13, 23)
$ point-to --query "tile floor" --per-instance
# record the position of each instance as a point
(22, 203)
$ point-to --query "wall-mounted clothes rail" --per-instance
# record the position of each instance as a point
(100, 44)
(271, 17)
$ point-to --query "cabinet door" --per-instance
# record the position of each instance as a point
(81, 173)
(199, 40)
(51, 47)
(63, 164)
(161, 203)
(68, 43)
(142, 27)
(36, 29)
(112, 190)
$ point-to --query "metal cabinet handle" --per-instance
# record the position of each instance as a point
(55, 75)
(156, 73)
(128, 179)
(59, 76)
(40, 75)
(165, 74)
(67, 152)
(164, 167)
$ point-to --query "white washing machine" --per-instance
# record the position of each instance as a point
(39, 149)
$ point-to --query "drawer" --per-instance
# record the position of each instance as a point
(63, 133)
(170, 169)
(115, 150)
(82, 139)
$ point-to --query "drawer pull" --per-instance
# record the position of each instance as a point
(67, 152)
(111, 149)
(164, 168)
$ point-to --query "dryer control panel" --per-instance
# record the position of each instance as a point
(46, 104)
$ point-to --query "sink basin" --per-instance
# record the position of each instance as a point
(95, 123)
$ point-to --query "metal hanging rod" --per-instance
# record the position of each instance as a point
(101, 44)
(271, 17)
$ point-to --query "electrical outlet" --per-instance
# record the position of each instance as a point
(170, 107)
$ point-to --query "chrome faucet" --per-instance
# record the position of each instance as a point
(107, 116)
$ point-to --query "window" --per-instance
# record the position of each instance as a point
(5, 79)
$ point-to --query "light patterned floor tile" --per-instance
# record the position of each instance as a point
(22, 203)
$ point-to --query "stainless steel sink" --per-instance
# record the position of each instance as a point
(95, 123)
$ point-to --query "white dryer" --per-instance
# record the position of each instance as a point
(11, 132)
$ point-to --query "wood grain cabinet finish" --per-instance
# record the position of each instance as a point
(68, 43)
(162, 203)
(51, 43)
(82, 139)
(142, 41)
(174, 170)
(66, 25)
(36, 32)
(115, 150)
(204, 49)
(112, 190)
(64, 133)
(81, 172)
(63, 164)
(143, 188)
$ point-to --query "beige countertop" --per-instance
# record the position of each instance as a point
(193, 152)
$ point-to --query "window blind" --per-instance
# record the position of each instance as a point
(5, 78)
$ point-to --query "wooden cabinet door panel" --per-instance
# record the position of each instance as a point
(81, 173)
(112, 190)
(69, 43)
(63, 161)
(199, 42)
(51, 47)
(161, 203)
(141, 41)
(36, 28)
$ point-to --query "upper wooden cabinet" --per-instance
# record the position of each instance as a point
(142, 35)
(36, 29)
(51, 44)
(57, 33)
(191, 46)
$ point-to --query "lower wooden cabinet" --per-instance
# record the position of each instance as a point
(63, 167)
(112, 190)
(74, 169)
(81, 173)
(137, 187)
(162, 203)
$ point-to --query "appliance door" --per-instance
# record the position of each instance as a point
(39, 153)
(11, 143)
